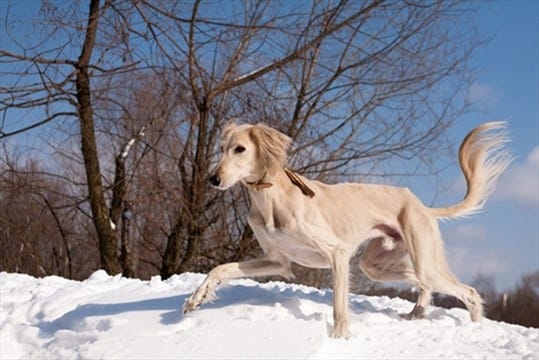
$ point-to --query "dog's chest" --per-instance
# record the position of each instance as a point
(297, 247)
(287, 233)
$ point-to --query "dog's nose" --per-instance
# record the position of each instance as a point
(215, 180)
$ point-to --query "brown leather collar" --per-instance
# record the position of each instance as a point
(260, 184)
(294, 178)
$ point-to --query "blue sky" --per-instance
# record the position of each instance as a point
(503, 241)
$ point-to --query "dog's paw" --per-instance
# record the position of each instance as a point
(202, 295)
(195, 300)
(417, 313)
(407, 316)
(190, 305)
(341, 332)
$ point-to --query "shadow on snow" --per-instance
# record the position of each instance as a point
(264, 295)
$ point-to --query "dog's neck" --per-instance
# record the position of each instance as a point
(262, 183)
(264, 193)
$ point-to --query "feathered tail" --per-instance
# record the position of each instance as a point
(482, 158)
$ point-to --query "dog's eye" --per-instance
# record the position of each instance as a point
(239, 149)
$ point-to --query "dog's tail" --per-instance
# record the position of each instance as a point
(482, 158)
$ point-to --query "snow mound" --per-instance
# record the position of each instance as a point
(107, 317)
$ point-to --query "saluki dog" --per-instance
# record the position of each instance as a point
(322, 226)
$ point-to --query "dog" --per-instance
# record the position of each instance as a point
(318, 225)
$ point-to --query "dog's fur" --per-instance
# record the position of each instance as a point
(322, 226)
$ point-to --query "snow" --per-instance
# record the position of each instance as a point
(105, 317)
(127, 147)
(131, 141)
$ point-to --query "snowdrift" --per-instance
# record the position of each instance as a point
(108, 317)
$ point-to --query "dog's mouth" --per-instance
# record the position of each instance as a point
(226, 182)
(221, 188)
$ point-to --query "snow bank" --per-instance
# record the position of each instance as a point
(114, 317)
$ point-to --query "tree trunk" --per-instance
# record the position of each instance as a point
(127, 256)
(173, 251)
(108, 246)
(190, 223)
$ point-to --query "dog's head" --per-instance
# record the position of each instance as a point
(249, 153)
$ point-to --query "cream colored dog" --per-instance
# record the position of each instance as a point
(322, 226)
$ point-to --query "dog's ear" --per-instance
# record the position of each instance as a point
(272, 146)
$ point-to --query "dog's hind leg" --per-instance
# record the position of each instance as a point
(424, 242)
(393, 265)
(423, 300)
(422, 239)
(448, 283)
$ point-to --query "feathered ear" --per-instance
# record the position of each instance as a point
(272, 146)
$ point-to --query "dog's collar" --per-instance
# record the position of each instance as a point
(260, 184)
(294, 178)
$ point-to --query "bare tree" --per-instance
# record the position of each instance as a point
(359, 86)
(40, 233)
(352, 83)
(49, 83)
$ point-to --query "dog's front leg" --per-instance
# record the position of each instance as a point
(340, 268)
(257, 267)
